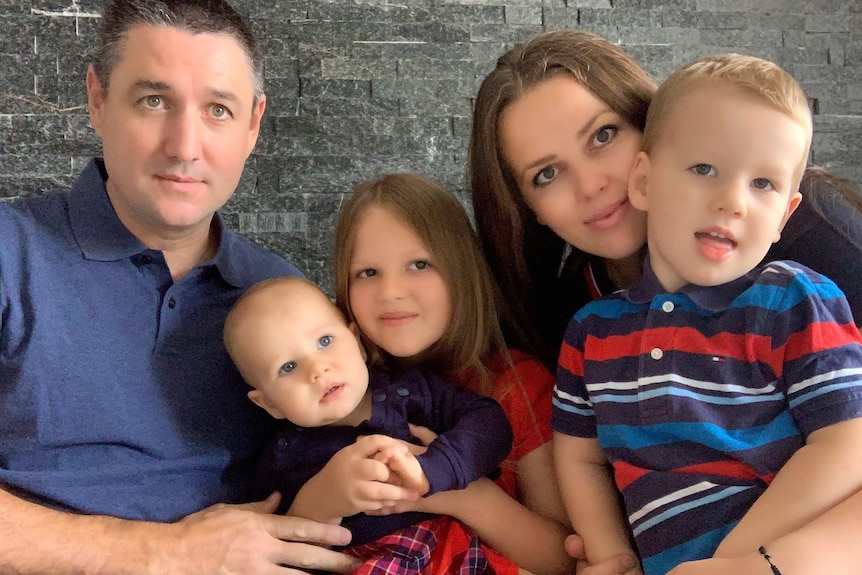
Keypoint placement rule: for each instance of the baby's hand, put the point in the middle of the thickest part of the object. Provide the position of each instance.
(353, 481)
(406, 468)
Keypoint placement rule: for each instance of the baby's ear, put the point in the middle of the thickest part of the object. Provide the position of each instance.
(355, 329)
(639, 181)
(260, 399)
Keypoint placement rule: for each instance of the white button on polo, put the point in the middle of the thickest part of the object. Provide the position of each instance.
(667, 306)
(656, 353)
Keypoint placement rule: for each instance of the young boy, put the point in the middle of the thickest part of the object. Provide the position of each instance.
(341, 451)
(727, 398)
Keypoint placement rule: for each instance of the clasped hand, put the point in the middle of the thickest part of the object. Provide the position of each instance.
(373, 473)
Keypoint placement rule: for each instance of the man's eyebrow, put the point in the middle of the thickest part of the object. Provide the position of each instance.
(165, 87)
(152, 85)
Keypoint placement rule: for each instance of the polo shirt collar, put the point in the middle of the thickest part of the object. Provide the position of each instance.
(712, 298)
(99, 232)
(103, 237)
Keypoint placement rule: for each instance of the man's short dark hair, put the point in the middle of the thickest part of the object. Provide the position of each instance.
(195, 16)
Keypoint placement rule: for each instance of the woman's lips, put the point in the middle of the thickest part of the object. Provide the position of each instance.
(609, 216)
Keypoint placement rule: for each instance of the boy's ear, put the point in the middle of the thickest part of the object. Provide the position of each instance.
(260, 399)
(639, 182)
(795, 200)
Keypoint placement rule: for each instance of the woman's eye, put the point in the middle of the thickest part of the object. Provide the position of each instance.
(703, 170)
(288, 367)
(367, 273)
(545, 176)
(762, 184)
(604, 135)
(324, 341)
(420, 265)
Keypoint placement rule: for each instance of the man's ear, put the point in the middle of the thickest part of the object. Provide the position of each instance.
(260, 399)
(95, 99)
(639, 181)
(795, 200)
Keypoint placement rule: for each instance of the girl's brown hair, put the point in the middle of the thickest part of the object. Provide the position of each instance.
(473, 333)
(525, 256)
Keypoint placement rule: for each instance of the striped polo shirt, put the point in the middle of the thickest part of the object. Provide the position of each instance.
(699, 397)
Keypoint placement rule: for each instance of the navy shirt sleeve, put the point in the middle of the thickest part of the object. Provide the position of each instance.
(476, 435)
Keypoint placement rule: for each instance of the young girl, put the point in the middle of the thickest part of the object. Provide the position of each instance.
(409, 273)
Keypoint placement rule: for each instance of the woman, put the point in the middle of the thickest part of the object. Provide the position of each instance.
(556, 127)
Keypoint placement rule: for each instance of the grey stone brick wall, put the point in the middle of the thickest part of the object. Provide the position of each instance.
(361, 87)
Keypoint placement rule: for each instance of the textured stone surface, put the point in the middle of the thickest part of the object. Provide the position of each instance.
(361, 87)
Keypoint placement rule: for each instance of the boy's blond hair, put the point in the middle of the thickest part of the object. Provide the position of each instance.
(753, 76)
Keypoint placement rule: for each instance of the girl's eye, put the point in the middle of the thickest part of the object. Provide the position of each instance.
(762, 184)
(545, 176)
(703, 170)
(420, 265)
(604, 135)
(288, 367)
(366, 273)
(324, 341)
(218, 111)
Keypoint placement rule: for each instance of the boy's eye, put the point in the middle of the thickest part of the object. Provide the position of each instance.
(324, 341)
(366, 273)
(545, 176)
(762, 184)
(420, 265)
(288, 367)
(604, 135)
(703, 170)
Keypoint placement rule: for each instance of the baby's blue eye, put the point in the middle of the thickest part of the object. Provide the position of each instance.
(324, 341)
(288, 367)
(703, 169)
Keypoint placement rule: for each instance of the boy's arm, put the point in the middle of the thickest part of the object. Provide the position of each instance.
(823, 473)
(590, 498)
(828, 544)
(351, 482)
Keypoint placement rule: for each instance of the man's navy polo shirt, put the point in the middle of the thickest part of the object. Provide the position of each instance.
(116, 394)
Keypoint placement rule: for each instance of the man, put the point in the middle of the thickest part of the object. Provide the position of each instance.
(122, 420)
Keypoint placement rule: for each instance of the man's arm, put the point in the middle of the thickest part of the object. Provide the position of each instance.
(823, 473)
(590, 498)
(245, 539)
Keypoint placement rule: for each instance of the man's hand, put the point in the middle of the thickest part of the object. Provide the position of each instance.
(250, 540)
(352, 482)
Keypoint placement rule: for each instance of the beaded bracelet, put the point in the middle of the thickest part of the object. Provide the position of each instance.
(768, 557)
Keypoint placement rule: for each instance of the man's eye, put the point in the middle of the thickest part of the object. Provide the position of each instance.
(219, 111)
(703, 170)
(762, 184)
(324, 341)
(288, 367)
(153, 101)
(545, 176)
